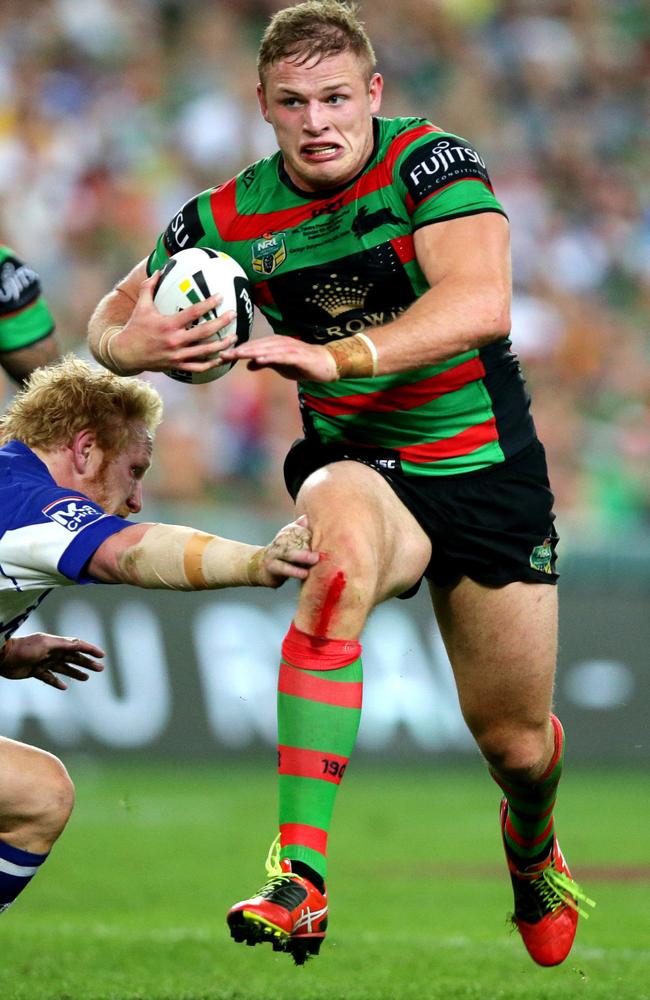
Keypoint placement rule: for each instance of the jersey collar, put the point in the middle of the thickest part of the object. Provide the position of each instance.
(329, 192)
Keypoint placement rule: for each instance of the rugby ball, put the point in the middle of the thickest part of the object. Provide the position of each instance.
(193, 275)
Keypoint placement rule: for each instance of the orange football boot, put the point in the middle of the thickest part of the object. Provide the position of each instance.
(547, 904)
(288, 911)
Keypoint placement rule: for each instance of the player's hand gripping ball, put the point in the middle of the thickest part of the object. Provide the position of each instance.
(195, 274)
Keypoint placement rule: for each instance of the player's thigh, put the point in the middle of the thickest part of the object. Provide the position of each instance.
(502, 644)
(371, 546)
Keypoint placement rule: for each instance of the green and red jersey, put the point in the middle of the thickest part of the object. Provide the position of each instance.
(24, 314)
(340, 262)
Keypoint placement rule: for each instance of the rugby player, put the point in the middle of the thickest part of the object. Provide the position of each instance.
(76, 444)
(379, 253)
(27, 336)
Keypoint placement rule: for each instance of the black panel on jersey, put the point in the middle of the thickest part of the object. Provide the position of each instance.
(328, 301)
(510, 400)
(438, 162)
(19, 285)
(185, 229)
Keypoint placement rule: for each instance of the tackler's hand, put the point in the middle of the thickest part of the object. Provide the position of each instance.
(288, 555)
(44, 656)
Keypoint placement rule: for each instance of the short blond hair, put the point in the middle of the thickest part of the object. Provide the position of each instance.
(69, 396)
(314, 29)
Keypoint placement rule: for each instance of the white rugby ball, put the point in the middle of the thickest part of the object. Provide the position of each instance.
(193, 275)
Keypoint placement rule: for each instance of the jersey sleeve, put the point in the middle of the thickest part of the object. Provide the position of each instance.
(25, 316)
(444, 177)
(54, 535)
(190, 227)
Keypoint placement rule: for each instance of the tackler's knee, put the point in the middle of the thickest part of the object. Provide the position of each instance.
(46, 801)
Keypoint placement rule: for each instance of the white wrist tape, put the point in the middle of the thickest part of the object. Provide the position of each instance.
(104, 352)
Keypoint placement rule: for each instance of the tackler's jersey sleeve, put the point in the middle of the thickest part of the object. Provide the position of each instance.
(331, 264)
(25, 317)
(47, 535)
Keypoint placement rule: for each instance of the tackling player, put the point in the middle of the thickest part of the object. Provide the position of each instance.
(77, 443)
(379, 253)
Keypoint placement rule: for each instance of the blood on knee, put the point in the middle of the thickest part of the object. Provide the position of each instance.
(328, 601)
(341, 588)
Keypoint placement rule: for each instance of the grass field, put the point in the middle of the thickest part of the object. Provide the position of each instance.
(131, 904)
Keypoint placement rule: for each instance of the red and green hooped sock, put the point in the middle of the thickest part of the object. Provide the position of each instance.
(529, 828)
(319, 709)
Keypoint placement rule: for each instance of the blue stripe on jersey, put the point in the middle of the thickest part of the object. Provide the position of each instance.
(37, 548)
(84, 545)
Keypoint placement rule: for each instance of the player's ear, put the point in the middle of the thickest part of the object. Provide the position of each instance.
(82, 448)
(375, 90)
(261, 97)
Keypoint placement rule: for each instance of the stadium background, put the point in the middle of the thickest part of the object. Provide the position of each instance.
(113, 113)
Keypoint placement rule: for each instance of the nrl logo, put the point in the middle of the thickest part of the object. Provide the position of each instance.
(268, 253)
(541, 556)
(338, 296)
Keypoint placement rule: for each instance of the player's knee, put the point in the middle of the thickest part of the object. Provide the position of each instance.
(346, 577)
(514, 750)
(49, 800)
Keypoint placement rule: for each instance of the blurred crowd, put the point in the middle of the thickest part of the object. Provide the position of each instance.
(114, 112)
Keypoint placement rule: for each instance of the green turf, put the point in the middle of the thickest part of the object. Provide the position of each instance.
(131, 904)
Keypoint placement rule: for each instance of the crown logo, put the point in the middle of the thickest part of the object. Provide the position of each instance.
(337, 297)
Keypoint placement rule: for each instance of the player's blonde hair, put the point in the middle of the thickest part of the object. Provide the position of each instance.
(314, 29)
(69, 396)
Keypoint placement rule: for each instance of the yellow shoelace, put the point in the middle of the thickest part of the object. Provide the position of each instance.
(274, 874)
(556, 889)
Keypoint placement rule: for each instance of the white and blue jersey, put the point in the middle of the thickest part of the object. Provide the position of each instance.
(47, 535)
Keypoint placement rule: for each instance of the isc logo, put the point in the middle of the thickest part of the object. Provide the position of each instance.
(72, 513)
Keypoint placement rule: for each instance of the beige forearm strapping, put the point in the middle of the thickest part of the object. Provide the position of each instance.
(178, 558)
(355, 357)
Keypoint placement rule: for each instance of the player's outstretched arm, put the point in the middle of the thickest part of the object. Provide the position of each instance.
(174, 557)
(44, 656)
(128, 335)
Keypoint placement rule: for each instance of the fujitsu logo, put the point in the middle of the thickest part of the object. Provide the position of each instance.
(14, 280)
(443, 156)
(181, 234)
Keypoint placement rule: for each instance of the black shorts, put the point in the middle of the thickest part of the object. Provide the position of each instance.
(495, 525)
